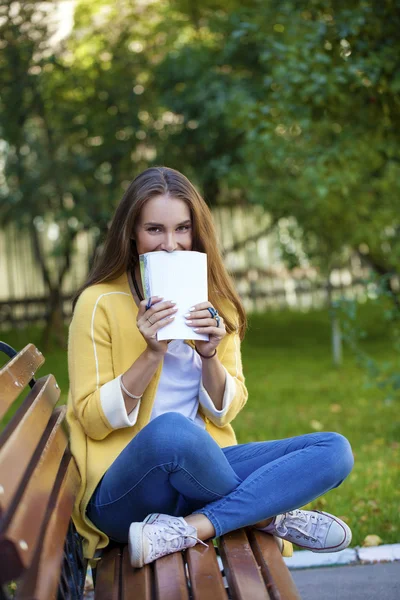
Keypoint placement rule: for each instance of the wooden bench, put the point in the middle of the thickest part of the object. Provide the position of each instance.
(252, 565)
(40, 549)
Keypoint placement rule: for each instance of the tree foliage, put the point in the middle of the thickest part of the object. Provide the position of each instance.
(311, 92)
(292, 104)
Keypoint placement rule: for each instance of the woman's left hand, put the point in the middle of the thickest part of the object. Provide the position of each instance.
(201, 321)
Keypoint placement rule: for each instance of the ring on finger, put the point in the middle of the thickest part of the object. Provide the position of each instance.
(213, 312)
(218, 320)
(150, 321)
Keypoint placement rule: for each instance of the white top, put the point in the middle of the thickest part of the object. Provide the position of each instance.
(180, 389)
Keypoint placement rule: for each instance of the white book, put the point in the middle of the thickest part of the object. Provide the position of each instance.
(180, 276)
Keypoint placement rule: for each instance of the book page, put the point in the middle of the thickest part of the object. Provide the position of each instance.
(180, 276)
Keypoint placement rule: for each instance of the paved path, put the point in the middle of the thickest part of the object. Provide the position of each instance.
(360, 582)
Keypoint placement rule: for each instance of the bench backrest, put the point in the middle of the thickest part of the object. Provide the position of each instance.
(38, 478)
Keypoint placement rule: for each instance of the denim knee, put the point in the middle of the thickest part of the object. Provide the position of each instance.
(172, 435)
(170, 420)
(340, 454)
(171, 425)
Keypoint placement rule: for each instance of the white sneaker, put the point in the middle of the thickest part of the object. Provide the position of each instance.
(312, 529)
(151, 540)
(160, 518)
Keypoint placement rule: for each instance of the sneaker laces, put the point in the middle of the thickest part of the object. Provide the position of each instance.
(165, 537)
(296, 519)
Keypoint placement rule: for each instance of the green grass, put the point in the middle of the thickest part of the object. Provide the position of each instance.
(294, 389)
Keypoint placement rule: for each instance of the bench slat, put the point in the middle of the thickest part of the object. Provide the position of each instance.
(23, 521)
(16, 374)
(170, 578)
(274, 570)
(108, 576)
(41, 580)
(205, 576)
(28, 426)
(241, 570)
(136, 583)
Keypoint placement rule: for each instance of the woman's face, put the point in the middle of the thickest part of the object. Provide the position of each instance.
(164, 224)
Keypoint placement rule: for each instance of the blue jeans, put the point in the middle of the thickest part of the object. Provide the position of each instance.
(174, 467)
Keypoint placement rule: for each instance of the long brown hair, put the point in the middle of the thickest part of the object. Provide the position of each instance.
(119, 253)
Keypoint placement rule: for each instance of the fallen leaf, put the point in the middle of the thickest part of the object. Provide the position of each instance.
(335, 408)
(372, 540)
(316, 425)
(344, 518)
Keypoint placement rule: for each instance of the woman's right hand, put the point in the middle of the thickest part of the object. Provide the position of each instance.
(151, 320)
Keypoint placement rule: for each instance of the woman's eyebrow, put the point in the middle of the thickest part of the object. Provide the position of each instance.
(188, 221)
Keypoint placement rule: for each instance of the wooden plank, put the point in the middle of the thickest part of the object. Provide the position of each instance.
(276, 575)
(136, 583)
(108, 576)
(22, 435)
(41, 580)
(241, 570)
(16, 374)
(21, 525)
(170, 578)
(205, 576)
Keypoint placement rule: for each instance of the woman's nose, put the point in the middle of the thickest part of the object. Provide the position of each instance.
(169, 243)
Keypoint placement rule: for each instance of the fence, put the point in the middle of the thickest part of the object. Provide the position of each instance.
(251, 252)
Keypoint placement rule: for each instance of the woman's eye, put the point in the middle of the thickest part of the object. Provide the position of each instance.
(181, 228)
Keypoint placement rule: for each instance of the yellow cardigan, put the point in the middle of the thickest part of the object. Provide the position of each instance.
(103, 342)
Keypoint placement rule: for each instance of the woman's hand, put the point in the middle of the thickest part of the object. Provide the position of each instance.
(200, 319)
(150, 320)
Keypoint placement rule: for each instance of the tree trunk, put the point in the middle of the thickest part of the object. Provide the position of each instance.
(53, 333)
(54, 329)
(336, 334)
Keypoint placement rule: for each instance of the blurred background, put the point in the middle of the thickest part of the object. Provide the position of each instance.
(286, 116)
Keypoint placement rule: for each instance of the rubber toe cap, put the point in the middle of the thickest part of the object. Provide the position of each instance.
(339, 536)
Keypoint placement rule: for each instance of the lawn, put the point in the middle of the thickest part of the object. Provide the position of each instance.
(294, 389)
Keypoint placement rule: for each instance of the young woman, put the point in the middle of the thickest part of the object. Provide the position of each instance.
(150, 421)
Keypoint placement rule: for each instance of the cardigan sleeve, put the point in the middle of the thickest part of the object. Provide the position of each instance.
(90, 363)
(232, 361)
(113, 405)
(229, 394)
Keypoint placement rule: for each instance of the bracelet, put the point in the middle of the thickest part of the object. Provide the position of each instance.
(128, 393)
(203, 356)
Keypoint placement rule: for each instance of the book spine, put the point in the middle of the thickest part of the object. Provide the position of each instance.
(145, 275)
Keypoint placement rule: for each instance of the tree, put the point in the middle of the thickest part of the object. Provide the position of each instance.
(295, 87)
(68, 119)
(33, 184)
(293, 105)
